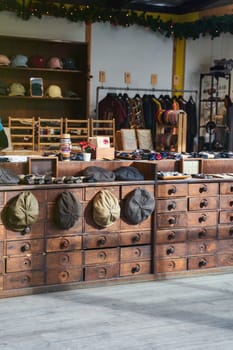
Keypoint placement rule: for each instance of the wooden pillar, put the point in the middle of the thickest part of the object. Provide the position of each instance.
(178, 70)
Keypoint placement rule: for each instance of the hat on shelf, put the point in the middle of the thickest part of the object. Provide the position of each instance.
(99, 174)
(106, 208)
(4, 60)
(55, 63)
(68, 210)
(36, 61)
(3, 89)
(54, 91)
(69, 63)
(19, 61)
(8, 176)
(70, 93)
(128, 173)
(16, 89)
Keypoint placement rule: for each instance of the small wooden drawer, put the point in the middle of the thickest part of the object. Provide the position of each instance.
(203, 247)
(135, 253)
(172, 220)
(96, 240)
(202, 218)
(25, 263)
(65, 275)
(225, 246)
(90, 192)
(225, 231)
(67, 259)
(25, 279)
(52, 230)
(198, 233)
(135, 268)
(197, 203)
(91, 226)
(144, 225)
(23, 247)
(171, 265)
(226, 188)
(36, 231)
(126, 189)
(170, 205)
(226, 217)
(168, 250)
(203, 189)
(168, 236)
(172, 190)
(202, 262)
(101, 272)
(53, 194)
(135, 237)
(65, 243)
(225, 259)
(226, 202)
(100, 256)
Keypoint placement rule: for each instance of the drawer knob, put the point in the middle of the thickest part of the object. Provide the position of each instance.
(231, 188)
(26, 279)
(202, 263)
(135, 268)
(231, 231)
(203, 189)
(231, 218)
(203, 218)
(172, 190)
(172, 221)
(202, 233)
(170, 250)
(171, 205)
(26, 247)
(171, 235)
(136, 238)
(204, 203)
(231, 203)
(26, 230)
(101, 241)
(64, 244)
(27, 262)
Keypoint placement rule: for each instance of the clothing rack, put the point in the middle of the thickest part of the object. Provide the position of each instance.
(114, 88)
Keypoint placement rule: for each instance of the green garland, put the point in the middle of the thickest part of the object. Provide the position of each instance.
(213, 26)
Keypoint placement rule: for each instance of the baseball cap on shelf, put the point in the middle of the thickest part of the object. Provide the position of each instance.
(70, 93)
(54, 91)
(3, 88)
(54, 63)
(36, 61)
(4, 60)
(19, 61)
(68, 63)
(16, 89)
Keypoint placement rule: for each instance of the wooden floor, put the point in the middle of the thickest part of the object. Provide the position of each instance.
(189, 313)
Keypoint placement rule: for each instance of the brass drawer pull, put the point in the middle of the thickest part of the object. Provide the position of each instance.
(171, 235)
(172, 190)
(231, 231)
(26, 279)
(26, 247)
(26, 230)
(135, 269)
(202, 263)
(171, 205)
(27, 262)
(172, 221)
(231, 189)
(64, 244)
(202, 233)
(203, 189)
(204, 203)
(136, 238)
(231, 218)
(101, 241)
(231, 203)
(203, 218)
(170, 250)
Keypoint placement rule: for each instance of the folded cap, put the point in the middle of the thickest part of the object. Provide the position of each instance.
(16, 89)
(54, 91)
(8, 176)
(22, 211)
(106, 208)
(138, 206)
(70, 93)
(4, 60)
(98, 174)
(19, 61)
(128, 173)
(68, 210)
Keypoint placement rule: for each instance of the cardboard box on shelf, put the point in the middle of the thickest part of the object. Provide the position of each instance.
(105, 153)
(100, 141)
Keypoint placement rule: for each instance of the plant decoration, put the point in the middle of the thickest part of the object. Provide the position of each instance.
(86, 147)
(212, 25)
